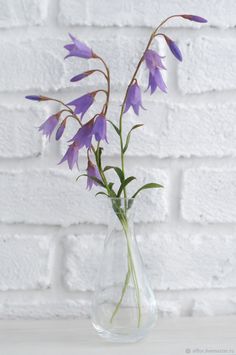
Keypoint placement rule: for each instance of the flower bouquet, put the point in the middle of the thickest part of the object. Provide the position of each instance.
(124, 306)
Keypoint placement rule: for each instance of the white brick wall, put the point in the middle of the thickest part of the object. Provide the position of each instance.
(51, 229)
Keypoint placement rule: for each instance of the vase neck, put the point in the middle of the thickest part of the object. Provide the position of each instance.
(120, 215)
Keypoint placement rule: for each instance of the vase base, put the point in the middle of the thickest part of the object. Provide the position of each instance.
(119, 337)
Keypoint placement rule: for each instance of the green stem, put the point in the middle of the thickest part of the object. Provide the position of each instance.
(131, 270)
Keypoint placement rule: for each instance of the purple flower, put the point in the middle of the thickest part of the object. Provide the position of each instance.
(100, 128)
(84, 135)
(156, 80)
(92, 171)
(61, 129)
(37, 98)
(78, 49)
(71, 155)
(174, 48)
(194, 18)
(49, 125)
(153, 60)
(133, 98)
(81, 76)
(82, 104)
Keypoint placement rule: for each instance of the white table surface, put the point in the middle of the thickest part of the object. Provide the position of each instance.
(68, 337)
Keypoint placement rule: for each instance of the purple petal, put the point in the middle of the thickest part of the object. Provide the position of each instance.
(49, 125)
(82, 104)
(81, 76)
(92, 171)
(61, 129)
(71, 156)
(194, 18)
(33, 97)
(100, 128)
(133, 98)
(153, 60)
(174, 48)
(78, 49)
(84, 135)
(156, 80)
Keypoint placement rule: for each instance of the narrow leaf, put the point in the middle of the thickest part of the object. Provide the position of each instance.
(129, 135)
(101, 193)
(118, 171)
(151, 185)
(115, 127)
(81, 176)
(124, 184)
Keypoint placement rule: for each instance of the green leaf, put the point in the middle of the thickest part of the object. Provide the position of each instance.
(129, 135)
(118, 171)
(115, 127)
(151, 185)
(101, 193)
(124, 184)
(81, 176)
(98, 157)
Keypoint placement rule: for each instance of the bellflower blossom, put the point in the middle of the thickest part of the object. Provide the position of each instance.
(134, 98)
(154, 64)
(84, 135)
(82, 104)
(49, 125)
(78, 49)
(100, 128)
(92, 171)
(153, 60)
(71, 155)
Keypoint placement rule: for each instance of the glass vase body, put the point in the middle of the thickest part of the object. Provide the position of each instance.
(124, 306)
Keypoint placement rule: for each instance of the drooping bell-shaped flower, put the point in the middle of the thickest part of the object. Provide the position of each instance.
(194, 18)
(49, 125)
(92, 171)
(83, 103)
(153, 60)
(81, 76)
(71, 155)
(134, 98)
(156, 81)
(100, 128)
(78, 49)
(174, 48)
(61, 129)
(84, 135)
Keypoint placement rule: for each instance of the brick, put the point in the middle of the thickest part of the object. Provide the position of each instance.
(214, 306)
(182, 261)
(19, 136)
(16, 13)
(82, 256)
(50, 309)
(209, 195)
(143, 13)
(203, 63)
(25, 262)
(189, 130)
(71, 203)
(40, 65)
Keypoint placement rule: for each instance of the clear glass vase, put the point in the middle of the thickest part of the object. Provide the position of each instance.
(124, 306)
